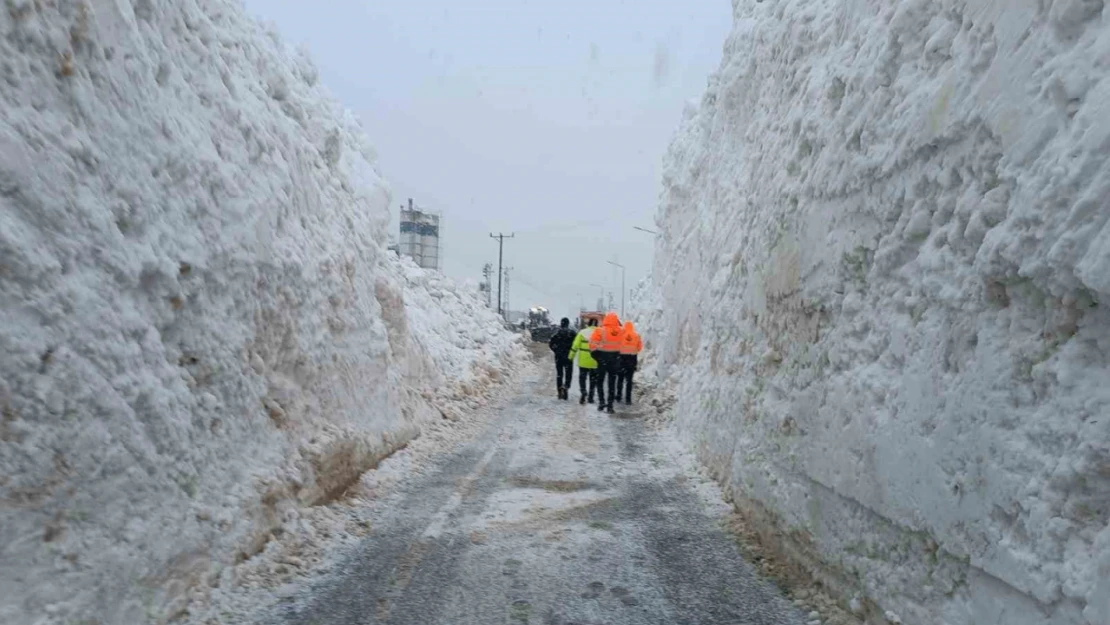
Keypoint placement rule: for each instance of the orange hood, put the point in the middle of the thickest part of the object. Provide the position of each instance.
(611, 321)
(630, 341)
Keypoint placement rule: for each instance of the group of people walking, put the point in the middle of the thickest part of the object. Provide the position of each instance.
(607, 355)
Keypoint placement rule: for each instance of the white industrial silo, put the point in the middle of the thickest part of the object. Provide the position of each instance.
(419, 236)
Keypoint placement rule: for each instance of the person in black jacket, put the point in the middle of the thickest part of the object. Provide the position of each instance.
(560, 343)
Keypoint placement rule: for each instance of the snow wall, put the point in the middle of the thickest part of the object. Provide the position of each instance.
(201, 332)
(883, 297)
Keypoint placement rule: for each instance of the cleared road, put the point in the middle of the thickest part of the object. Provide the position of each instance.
(557, 515)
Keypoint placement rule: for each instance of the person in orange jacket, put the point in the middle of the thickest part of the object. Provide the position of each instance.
(631, 345)
(605, 347)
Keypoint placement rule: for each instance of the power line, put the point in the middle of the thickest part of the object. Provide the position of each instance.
(542, 290)
(574, 225)
(566, 291)
(568, 288)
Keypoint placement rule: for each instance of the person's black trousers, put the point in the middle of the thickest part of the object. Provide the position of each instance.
(564, 372)
(624, 383)
(622, 375)
(614, 376)
(599, 384)
(608, 369)
(587, 381)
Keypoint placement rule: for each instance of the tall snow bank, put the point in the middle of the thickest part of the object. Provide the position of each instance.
(885, 273)
(201, 333)
(646, 310)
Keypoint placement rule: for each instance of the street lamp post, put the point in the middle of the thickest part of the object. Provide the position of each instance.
(615, 264)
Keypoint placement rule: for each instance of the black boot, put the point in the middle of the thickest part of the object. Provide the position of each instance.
(609, 409)
(600, 407)
(582, 400)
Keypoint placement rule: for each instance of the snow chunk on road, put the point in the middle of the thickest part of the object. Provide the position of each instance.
(201, 330)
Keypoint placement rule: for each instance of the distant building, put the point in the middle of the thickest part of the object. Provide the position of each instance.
(419, 236)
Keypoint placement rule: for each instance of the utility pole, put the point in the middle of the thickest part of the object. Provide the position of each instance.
(508, 310)
(616, 264)
(487, 273)
(500, 254)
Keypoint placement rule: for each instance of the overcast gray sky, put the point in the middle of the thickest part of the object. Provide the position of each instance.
(548, 119)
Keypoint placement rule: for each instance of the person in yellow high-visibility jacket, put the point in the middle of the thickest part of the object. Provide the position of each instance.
(605, 347)
(587, 366)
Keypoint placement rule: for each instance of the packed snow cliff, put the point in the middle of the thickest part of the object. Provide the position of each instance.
(201, 333)
(883, 297)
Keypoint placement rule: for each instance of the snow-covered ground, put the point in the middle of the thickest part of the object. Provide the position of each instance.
(881, 296)
(202, 334)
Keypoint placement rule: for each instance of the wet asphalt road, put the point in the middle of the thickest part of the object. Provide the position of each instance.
(557, 515)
